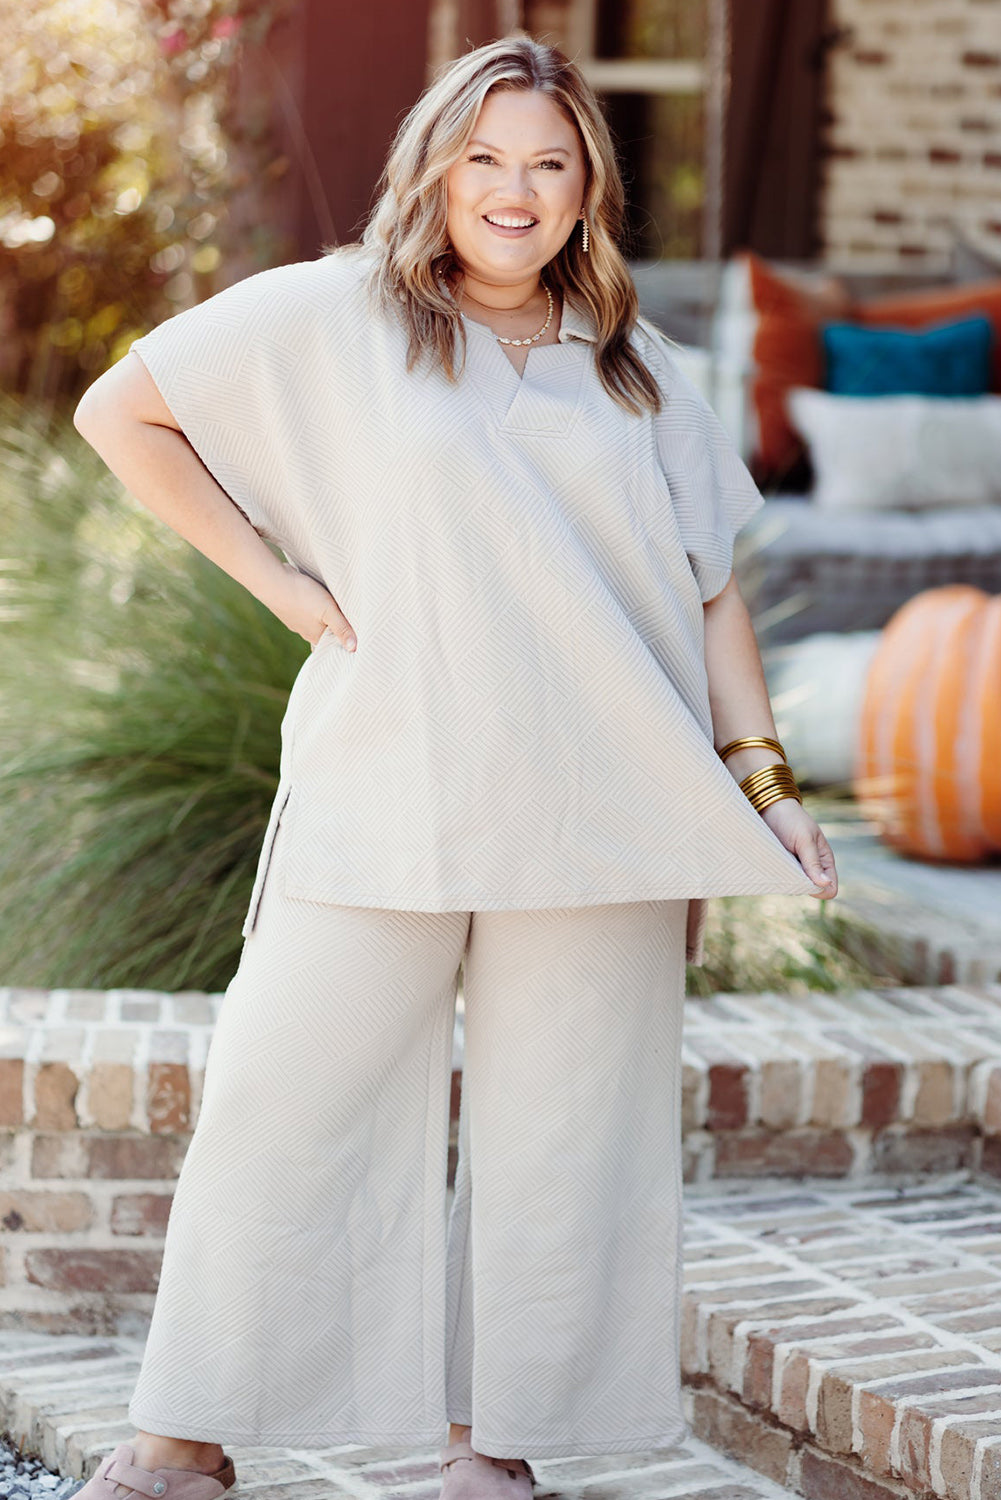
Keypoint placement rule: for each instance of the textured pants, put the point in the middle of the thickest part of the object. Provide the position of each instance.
(315, 1291)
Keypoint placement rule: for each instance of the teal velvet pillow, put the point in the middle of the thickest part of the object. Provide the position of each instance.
(945, 359)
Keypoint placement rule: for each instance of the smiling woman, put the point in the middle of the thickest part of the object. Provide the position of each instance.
(511, 207)
(489, 176)
(528, 553)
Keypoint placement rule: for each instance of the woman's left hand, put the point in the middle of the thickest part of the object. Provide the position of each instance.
(803, 836)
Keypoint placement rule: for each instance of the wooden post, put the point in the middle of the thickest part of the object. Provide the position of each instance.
(360, 68)
(772, 127)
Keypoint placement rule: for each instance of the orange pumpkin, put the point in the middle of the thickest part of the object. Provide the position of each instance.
(928, 756)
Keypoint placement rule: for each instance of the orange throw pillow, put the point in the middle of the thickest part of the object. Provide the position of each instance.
(786, 351)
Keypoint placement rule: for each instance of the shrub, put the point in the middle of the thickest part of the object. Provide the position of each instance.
(141, 692)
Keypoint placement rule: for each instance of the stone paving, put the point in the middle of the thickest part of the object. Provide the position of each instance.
(840, 1341)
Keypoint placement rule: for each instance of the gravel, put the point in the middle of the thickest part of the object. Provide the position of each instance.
(23, 1477)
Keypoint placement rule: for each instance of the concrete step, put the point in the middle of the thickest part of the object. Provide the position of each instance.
(922, 921)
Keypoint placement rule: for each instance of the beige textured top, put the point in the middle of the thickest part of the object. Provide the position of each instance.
(525, 721)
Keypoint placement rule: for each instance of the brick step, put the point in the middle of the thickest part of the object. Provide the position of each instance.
(839, 1341)
(67, 1399)
(898, 1079)
(845, 1339)
(925, 1057)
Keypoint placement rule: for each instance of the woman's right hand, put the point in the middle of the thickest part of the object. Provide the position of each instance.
(306, 607)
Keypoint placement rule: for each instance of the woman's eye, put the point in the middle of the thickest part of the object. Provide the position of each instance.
(549, 162)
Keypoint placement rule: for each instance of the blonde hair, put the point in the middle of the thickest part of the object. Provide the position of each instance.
(407, 232)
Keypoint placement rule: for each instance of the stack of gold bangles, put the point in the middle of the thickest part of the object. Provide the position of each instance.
(771, 783)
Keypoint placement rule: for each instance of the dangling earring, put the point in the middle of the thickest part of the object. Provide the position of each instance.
(585, 236)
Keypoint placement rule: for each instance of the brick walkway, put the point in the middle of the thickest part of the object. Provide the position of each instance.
(841, 1341)
(67, 1397)
(844, 1332)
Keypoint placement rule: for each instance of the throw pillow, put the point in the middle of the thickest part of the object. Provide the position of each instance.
(947, 359)
(906, 452)
(781, 329)
(786, 351)
(936, 305)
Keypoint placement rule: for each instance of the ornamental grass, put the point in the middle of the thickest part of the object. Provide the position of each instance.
(141, 694)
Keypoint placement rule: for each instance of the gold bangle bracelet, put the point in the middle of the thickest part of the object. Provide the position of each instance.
(764, 784)
(765, 775)
(768, 785)
(776, 796)
(752, 741)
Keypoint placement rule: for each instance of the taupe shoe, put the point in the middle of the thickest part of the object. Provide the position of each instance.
(154, 1484)
(468, 1475)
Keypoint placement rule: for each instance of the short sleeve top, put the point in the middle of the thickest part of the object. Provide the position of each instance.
(525, 720)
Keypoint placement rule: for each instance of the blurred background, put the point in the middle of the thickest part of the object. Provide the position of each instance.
(814, 215)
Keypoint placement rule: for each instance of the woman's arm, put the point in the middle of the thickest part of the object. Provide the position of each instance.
(126, 420)
(738, 700)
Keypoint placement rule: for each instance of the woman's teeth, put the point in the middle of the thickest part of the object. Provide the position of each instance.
(508, 221)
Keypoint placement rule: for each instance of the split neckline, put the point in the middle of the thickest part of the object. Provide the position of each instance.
(532, 350)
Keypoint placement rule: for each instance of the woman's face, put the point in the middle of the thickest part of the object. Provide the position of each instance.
(516, 192)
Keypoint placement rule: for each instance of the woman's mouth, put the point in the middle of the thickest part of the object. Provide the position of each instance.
(510, 226)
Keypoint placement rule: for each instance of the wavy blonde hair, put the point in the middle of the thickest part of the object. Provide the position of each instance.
(407, 232)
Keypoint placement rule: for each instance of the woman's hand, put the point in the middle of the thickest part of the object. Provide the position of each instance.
(305, 607)
(803, 836)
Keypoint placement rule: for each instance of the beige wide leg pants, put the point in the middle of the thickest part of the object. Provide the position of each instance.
(313, 1289)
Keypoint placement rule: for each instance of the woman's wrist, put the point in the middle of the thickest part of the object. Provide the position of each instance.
(761, 770)
(742, 762)
(267, 577)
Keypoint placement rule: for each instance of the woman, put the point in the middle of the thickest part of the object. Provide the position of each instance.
(508, 520)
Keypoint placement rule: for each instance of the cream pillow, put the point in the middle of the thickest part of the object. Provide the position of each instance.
(889, 452)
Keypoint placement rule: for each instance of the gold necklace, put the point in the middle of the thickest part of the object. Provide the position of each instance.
(535, 336)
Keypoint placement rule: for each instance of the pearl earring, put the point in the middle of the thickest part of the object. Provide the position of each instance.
(585, 237)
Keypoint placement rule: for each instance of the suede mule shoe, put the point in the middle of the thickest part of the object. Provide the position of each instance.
(158, 1484)
(468, 1475)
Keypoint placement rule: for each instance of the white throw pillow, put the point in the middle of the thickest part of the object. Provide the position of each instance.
(885, 452)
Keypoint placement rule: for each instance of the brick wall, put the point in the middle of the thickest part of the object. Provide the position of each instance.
(912, 135)
(99, 1094)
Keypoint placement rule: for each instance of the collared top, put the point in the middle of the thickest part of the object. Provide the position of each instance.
(525, 721)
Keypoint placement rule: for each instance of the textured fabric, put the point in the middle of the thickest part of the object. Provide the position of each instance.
(312, 1291)
(949, 359)
(525, 721)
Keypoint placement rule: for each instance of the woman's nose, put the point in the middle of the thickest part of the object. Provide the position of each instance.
(517, 184)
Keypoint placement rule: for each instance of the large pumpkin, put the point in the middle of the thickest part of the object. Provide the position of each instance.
(928, 761)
